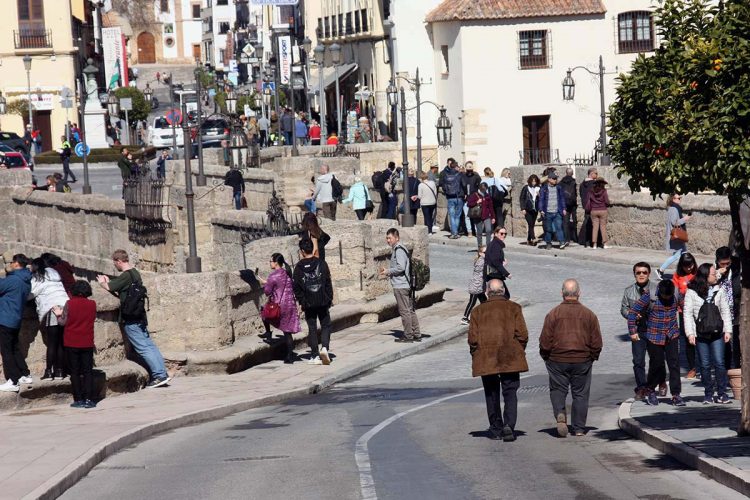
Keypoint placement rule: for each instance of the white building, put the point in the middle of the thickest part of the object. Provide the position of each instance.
(500, 66)
(218, 18)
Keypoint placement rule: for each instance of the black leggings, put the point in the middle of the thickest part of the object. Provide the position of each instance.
(361, 212)
(429, 216)
(531, 222)
(481, 297)
(288, 338)
(55, 357)
(81, 363)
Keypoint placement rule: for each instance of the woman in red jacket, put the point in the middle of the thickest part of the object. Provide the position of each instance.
(482, 213)
(686, 269)
(79, 316)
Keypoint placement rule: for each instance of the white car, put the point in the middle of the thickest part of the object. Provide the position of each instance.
(160, 134)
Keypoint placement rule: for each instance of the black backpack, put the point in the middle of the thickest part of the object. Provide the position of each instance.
(709, 324)
(312, 284)
(337, 191)
(498, 194)
(135, 305)
(377, 181)
(452, 184)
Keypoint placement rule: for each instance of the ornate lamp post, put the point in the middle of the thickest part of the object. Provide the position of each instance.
(320, 59)
(193, 262)
(444, 129)
(27, 67)
(569, 92)
(148, 93)
(198, 72)
(89, 77)
(336, 60)
(307, 46)
(237, 145)
(231, 102)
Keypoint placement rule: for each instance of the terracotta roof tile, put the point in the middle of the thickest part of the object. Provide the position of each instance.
(465, 10)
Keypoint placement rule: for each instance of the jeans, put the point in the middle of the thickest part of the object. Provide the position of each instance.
(409, 320)
(689, 348)
(656, 371)
(312, 315)
(531, 223)
(310, 205)
(483, 226)
(81, 363)
(553, 223)
(469, 224)
(287, 138)
(328, 209)
(455, 205)
(67, 171)
(711, 352)
(577, 377)
(473, 298)
(237, 195)
(673, 258)
(143, 346)
(14, 365)
(392, 202)
(510, 382)
(429, 217)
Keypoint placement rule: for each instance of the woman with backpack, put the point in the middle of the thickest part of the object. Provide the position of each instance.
(281, 308)
(311, 230)
(482, 213)
(476, 286)
(359, 196)
(529, 195)
(48, 291)
(427, 195)
(708, 325)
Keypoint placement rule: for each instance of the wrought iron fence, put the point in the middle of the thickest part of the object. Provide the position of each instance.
(539, 156)
(144, 208)
(340, 150)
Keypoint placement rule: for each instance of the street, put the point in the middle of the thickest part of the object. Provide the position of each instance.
(415, 428)
(104, 179)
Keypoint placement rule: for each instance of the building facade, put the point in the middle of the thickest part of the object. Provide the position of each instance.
(500, 66)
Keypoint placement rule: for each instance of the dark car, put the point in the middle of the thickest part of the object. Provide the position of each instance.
(12, 140)
(27, 159)
(213, 131)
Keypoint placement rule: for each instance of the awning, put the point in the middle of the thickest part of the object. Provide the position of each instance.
(329, 76)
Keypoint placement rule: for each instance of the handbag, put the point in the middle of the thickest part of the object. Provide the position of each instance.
(271, 312)
(679, 233)
(243, 201)
(369, 205)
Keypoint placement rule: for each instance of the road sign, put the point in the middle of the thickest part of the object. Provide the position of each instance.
(66, 103)
(126, 104)
(66, 93)
(80, 151)
(175, 116)
(248, 50)
(269, 85)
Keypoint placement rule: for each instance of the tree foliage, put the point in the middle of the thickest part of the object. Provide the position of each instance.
(681, 120)
(18, 107)
(141, 108)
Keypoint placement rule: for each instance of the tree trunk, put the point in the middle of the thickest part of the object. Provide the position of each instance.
(737, 240)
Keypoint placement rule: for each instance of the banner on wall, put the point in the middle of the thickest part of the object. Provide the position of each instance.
(285, 59)
(113, 49)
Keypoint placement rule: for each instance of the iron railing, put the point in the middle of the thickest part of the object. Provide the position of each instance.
(144, 209)
(340, 150)
(32, 38)
(539, 156)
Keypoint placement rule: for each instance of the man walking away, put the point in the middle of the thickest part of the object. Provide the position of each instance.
(662, 338)
(133, 315)
(400, 275)
(642, 285)
(14, 289)
(234, 179)
(314, 293)
(497, 343)
(551, 203)
(570, 222)
(584, 237)
(161, 164)
(450, 183)
(65, 158)
(323, 195)
(569, 344)
(470, 184)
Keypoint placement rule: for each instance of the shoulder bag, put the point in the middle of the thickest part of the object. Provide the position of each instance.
(369, 205)
(271, 312)
(678, 233)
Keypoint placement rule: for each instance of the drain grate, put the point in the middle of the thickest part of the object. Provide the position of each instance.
(534, 389)
(251, 459)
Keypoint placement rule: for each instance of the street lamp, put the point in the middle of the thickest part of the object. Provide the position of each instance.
(27, 67)
(193, 262)
(231, 102)
(444, 129)
(113, 104)
(408, 219)
(307, 46)
(148, 93)
(392, 92)
(89, 82)
(336, 60)
(237, 144)
(569, 92)
(198, 72)
(320, 59)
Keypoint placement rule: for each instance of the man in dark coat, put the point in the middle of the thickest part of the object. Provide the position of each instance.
(497, 343)
(585, 236)
(494, 259)
(234, 179)
(570, 221)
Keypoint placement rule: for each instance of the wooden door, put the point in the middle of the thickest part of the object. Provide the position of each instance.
(196, 52)
(146, 48)
(43, 124)
(536, 144)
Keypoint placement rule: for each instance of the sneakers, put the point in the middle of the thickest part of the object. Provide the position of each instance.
(563, 245)
(78, 404)
(562, 425)
(652, 400)
(543, 246)
(9, 386)
(324, 356)
(678, 401)
(464, 321)
(691, 375)
(708, 400)
(158, 382)
(606, 246)
(663, 389)
(315, 361)
(723, 400)
(26, 379)
(89, 404)
(508, 434)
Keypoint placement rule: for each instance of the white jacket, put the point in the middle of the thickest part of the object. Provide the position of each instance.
(48, 293)
(692, 307)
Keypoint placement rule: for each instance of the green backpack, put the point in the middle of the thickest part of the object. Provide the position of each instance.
(419, 272)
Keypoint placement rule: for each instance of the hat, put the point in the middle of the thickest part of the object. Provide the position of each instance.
(552, 175)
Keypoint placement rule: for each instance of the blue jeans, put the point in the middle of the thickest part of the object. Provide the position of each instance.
(553, 222)
(672, 259)
(143, 345)
(287, 138)
(711, 353)
(392, 202)
(455, 211)
(310, 205)
(237, 195)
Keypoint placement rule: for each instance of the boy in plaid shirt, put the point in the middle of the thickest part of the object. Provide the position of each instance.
(662, 338)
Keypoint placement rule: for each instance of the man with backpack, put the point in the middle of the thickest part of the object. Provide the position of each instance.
(450, 183)
(128, 287)
(314, 293)
(327, 193)
(400, 273)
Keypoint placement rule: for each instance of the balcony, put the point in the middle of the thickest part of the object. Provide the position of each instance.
(32, 38)
(539, 156)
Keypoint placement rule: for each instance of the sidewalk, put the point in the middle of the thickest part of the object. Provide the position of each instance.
(702, 437)
(48, 449)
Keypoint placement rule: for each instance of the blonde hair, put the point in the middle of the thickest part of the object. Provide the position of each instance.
(479, 251)
(488, 172)
(505, 173)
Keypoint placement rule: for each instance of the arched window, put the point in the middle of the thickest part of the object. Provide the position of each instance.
(635, 31)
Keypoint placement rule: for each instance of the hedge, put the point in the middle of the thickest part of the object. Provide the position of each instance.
(97, 155)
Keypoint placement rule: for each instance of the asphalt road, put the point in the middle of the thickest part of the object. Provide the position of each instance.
(416, 428)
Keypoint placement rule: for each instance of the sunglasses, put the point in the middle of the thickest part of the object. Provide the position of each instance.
(502, 234)
(641, 273)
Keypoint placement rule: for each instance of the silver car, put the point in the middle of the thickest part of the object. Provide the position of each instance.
(214, 131)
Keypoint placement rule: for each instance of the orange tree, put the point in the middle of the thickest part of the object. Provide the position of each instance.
(681, 122)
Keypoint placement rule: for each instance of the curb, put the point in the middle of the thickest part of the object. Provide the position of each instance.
(71, 474)
(718, 470)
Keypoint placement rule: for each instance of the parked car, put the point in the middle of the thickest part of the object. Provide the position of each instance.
(7, 149)
(13, 159)
(14, 141)
(213, 131)
(160, 133)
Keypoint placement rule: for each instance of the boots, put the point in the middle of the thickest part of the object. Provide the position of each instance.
(47, 374)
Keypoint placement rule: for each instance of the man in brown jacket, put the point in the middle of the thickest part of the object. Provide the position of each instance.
(569, 344)
(497, 341)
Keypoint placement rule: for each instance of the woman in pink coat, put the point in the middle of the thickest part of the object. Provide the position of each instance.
(280, 289)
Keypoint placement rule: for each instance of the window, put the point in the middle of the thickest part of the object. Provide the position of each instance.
(319, 30)
(327, 23)
(357, 26)
(164, 5)
(363, 15)
(349, 25)
(334, 26)
(31, 30)
(341, 24)
(222, 53)
(446, 65)
(636, 32)
(196, 11)
(222, 2)
(532, 47)
(224, 27)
